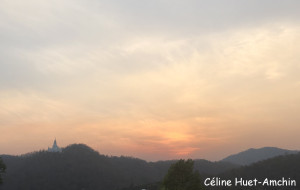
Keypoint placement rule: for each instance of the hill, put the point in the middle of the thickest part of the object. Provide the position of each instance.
(254, 155)
(284, 166)
(79, 167)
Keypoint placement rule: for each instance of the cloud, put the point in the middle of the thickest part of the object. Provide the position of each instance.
(163, 78)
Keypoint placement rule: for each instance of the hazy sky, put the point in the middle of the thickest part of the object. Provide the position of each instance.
(154, 79)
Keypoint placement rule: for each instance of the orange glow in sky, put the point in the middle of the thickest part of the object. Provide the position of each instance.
(149, 83)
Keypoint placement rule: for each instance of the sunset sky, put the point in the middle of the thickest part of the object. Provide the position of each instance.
(153, 79)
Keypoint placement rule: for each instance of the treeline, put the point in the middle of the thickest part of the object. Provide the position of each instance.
(79, 167)
(277, 168)
(2, 169)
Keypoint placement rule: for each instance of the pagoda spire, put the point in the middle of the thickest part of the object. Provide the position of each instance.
(54, 143)
(54, 148)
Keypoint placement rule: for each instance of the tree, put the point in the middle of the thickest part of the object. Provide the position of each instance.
(181, 176)
(2, 169)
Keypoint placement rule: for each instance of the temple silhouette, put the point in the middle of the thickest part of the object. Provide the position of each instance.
(54, 148)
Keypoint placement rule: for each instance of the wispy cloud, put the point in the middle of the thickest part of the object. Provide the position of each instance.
(156, 80)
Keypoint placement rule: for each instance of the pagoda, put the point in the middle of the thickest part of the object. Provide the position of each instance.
(54, 148)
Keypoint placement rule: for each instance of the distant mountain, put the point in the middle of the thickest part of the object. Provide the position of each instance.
(254, 155)
(284, 166)
(79, 167)
(276, 168)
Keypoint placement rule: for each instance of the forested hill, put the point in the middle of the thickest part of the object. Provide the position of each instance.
(284, 166)
(78, 167)
(254, 155)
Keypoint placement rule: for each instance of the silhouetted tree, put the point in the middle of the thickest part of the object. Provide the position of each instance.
(2, 169)
(181, 176)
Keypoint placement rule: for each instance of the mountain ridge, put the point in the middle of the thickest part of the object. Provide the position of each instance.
(253, 155)
(80, 167)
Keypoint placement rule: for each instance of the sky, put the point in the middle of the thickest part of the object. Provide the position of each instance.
(153, 79)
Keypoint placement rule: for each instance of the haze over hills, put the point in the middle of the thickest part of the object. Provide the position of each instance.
(254, 155)
(285, 167)
(277, 168)
(80, 167)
